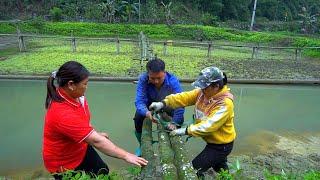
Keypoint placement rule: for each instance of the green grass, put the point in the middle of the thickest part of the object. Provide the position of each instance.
(45, 55)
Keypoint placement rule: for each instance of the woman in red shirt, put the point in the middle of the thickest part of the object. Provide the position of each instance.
(68, 137)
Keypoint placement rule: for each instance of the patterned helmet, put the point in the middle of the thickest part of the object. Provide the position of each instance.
(208, 76)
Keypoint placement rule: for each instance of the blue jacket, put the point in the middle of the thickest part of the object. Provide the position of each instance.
(147, 93)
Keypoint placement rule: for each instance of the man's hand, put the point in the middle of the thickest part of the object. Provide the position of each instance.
(156, 106)
(178, 132)
(149, 116)
(133, 159)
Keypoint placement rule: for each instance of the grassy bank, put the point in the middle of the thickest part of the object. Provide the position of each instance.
(189, 32)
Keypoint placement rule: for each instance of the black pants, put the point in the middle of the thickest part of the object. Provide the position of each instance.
(92, 164)
(213, 156)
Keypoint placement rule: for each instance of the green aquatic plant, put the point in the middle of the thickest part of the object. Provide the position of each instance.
(224, 175)
(235, 172)
(82, 175)
(134, 170)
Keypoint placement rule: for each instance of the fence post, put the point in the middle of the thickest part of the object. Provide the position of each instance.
(73, 43)
(22, 45)
(257, 51)
(118, 45)
(297, 52)
(209, 49)
(253, 52)
(165, 48)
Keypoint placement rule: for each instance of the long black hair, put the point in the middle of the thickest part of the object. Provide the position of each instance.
(69, 71)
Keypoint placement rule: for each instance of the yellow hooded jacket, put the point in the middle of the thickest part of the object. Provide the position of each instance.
(213, 117)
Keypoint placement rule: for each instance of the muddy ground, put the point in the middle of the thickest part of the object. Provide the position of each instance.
(288, 153)
(306, 69)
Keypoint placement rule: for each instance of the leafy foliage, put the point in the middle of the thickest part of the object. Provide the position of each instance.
(56, 14)
(163, 12)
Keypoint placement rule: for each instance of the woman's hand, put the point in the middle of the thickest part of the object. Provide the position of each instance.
(133, 159)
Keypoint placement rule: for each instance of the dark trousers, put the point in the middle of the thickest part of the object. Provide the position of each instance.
(213, 156)
(92, 164)
(138, 122)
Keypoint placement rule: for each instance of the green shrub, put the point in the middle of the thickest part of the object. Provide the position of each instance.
(7, 28)
(56, 14)
(208, 19)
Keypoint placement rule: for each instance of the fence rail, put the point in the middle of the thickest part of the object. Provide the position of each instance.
(160, 42)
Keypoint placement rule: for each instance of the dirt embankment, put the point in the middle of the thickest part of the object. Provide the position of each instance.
(288, 153)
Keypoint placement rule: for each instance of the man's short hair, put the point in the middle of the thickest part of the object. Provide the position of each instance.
(155, 65)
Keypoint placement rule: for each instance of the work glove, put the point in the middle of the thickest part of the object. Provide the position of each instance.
(156, 106)
(179, 132)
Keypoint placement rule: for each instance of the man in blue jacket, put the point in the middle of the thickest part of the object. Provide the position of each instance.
(153, 86)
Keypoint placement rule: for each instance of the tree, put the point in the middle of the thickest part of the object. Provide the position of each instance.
(167, 11)
(128, 9)
(109, 9)
(56, 14)
(308, 21)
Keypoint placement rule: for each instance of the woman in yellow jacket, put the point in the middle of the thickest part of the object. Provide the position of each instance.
(214, 114)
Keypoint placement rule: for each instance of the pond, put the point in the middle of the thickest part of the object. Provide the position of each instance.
(261, 111)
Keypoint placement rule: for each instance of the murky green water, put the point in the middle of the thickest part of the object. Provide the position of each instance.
(259, 108)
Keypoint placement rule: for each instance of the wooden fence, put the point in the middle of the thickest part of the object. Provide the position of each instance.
(209, 45)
